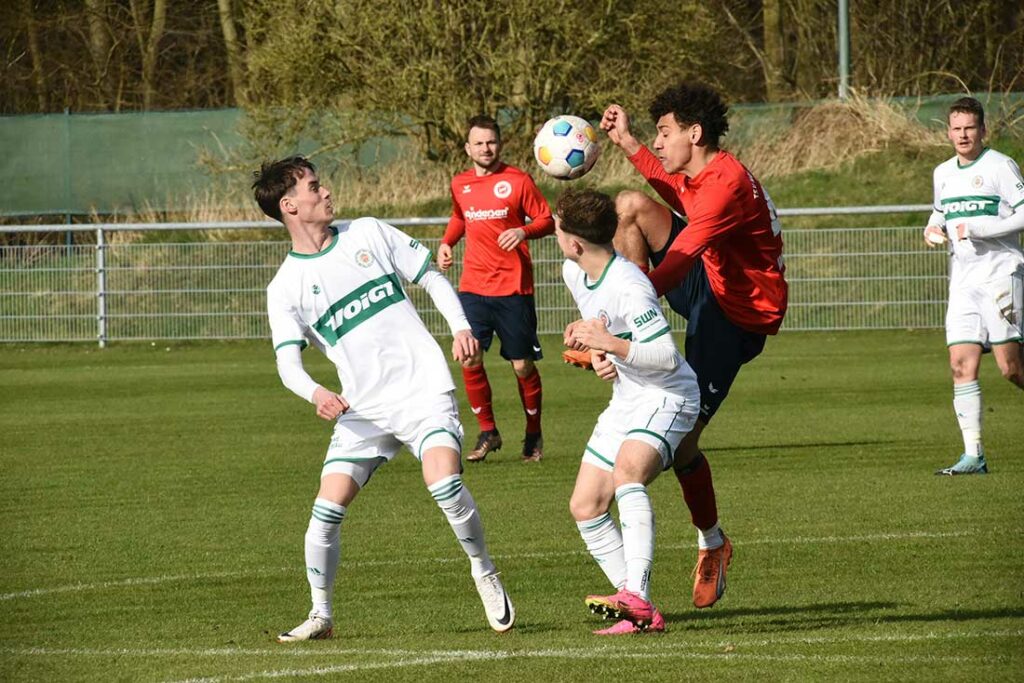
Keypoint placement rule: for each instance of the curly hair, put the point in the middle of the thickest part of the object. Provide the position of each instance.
(692, 103)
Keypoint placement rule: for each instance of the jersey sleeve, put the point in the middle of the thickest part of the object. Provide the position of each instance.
(536, 207)
(663, 183)
(410, 258)
(1011, 185)
(713, 216)
(642, 314)
(456, 223)
(938, 217)
(286, 328)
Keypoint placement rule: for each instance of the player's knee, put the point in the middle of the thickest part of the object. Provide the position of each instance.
(524, 367)
(630, 204)
(583, 508)
(962, 370)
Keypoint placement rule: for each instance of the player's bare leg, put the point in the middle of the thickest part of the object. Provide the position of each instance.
(964, 361)
(1010, 359)
(322, 554)
(530, 394)
(441, 474)
(478, 390)
(644, 227)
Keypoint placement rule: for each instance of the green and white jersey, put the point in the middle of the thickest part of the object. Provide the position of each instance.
(348, 300)
(979, 194)
(623, 298)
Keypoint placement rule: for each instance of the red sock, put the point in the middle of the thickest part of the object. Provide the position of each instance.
(478, 389)
(530, 393)
(699, 493)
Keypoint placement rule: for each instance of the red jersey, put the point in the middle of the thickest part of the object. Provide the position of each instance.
(733, 228)
(482, 208)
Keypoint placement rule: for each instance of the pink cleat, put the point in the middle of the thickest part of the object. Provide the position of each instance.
(623, 605)
(626, 627)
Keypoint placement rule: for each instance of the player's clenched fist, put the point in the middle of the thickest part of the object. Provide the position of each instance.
(444, 257)
(464, 346)
(329, 405)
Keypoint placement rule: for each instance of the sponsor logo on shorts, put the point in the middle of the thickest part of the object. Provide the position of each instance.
(358, 306)
(502, 189)
(711, 388)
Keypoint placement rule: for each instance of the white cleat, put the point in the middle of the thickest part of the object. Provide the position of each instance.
(500, 613)
(316, 627)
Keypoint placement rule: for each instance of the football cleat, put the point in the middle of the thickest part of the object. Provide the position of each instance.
(533, 447)
(316, 627)
(626, 627)
(967, 464)
(580, 359)
(500, 613)
(623, 605)
(485, 443)
(709, 581)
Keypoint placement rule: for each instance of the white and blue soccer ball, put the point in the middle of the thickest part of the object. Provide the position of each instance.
(566, 147)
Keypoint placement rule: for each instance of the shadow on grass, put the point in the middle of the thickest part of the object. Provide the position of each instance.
(799, 446)
(825, 615)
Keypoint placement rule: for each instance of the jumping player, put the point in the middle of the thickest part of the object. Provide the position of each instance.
(490, 204)
(341, 290)
(720, 267)
(979, 195)
(654, 403)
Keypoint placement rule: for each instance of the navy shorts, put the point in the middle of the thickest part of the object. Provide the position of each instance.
(513, 317)
(715, 346)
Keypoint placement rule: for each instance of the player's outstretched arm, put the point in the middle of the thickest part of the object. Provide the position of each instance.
(615, 122)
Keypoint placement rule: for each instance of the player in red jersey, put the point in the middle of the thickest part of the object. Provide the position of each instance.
(720, 267)
(490, 204)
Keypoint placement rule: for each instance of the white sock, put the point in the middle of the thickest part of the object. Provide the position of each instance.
(709, 539)
(604, 541)
(967, 406)
(459, 507)
(323, 548)
(636, 516)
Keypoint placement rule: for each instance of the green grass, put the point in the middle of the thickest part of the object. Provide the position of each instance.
(153, 500)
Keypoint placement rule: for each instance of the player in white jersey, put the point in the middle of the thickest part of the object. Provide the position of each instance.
(655, 403)
(341, 290)
(979, 213)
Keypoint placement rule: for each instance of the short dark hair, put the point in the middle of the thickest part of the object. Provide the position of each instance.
(968, 105)
(588, 214)
(483, 121)
(275, 179)
(692, 103)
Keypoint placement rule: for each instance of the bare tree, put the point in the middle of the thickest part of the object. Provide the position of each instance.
(234, 51)
(149, 25)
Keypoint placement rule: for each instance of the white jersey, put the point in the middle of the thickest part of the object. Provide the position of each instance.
(980, 193)
(624, 299)
(349, 302)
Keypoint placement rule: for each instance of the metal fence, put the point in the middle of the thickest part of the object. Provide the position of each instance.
(126, 288)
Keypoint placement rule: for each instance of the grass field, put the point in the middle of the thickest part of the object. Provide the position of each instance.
(153, 501)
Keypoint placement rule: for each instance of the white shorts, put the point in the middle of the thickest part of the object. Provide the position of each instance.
(986, 314)
(362, 443)
(659, 421)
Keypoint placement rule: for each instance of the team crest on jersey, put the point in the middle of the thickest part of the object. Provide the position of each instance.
(977, 181)
(364, 258)
(502, 189)
(605, 319)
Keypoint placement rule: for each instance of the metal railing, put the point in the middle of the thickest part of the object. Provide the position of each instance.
(121, 288)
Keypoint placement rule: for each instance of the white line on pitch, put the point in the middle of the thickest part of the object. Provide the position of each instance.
(173, 578)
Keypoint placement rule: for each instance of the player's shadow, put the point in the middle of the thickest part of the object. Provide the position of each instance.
(825, 615)
(800, 446)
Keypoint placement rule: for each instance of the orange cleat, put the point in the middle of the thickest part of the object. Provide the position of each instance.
(709, 584)
(580, 359)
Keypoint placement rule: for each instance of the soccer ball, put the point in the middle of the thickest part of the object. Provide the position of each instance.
(566, 147)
